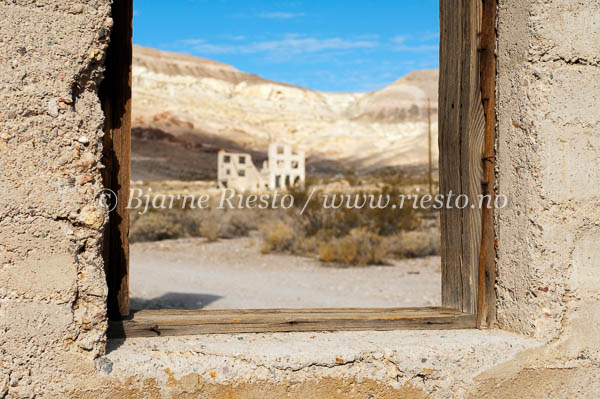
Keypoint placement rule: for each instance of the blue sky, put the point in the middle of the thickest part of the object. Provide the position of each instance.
(330, 45)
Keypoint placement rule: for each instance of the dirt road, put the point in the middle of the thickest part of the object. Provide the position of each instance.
(229, 274)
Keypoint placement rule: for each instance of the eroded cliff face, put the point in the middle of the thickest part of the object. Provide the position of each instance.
(205, 102)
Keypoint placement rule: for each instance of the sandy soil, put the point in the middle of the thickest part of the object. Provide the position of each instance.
(230, 274)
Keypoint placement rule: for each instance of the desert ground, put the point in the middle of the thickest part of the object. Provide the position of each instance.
(229, 274)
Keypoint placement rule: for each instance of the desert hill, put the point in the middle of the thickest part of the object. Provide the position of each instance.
(186, 108)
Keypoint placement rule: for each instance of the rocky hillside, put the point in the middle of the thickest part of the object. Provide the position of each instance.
(186, 108)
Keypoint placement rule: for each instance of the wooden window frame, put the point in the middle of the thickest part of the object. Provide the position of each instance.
(467, 126)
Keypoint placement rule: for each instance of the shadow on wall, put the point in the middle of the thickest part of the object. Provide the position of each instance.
(174, 300)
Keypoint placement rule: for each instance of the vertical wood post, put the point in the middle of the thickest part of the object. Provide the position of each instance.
(461, 139)
(486, 297)
(115, 93)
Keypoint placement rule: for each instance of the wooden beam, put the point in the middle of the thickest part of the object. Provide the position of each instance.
(461, 138)
(152, 323)
(115, 93)
(486, 297)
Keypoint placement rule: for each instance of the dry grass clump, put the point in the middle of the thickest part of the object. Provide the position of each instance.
(414, 244)
(209, 229)
(338, 222)
(351, 237)
(212, 224)
(285, 235)
(278, 236)
(156, 226)
(239, 222)
(359, 248)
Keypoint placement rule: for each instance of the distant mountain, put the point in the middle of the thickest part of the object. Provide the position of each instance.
(177, 64)
(404, 100)
(186, 108)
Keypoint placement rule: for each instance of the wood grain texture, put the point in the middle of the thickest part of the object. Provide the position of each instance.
(449, 143)
(461, 139)
(115, 93)
(148, 323)
(486, 297)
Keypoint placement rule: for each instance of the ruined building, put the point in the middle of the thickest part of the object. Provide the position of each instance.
(284, 168)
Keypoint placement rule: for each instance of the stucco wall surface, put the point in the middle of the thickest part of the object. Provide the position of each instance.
(548, 282)
(52, 284)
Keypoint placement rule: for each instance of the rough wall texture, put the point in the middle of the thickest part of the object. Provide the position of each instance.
(549, 153)
(548, 266)
(52, 285)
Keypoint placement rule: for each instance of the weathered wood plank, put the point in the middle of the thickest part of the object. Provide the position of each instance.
(472, 138)
(173, 322)
(405, 312)
(115, 92)
(461, 138)
(449, 143)
(486, 297)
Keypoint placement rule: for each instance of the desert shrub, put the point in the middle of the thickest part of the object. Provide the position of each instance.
(239, 223)
(338, 222)
(340, 235)
(179, 221)
(306, 246)
(414, 244)
(277, 237)
(189, 220)
(155, 226)
(343, 235)
(359, 248)
(161, 224)
(209, 229)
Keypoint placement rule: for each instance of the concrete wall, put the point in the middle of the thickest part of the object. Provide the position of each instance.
(52, 286)
(549, 165)
(549, 158)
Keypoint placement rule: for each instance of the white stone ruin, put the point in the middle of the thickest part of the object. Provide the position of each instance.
(284, 168)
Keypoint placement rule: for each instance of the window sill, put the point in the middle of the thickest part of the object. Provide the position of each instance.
(152, 323)
(390, 357)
